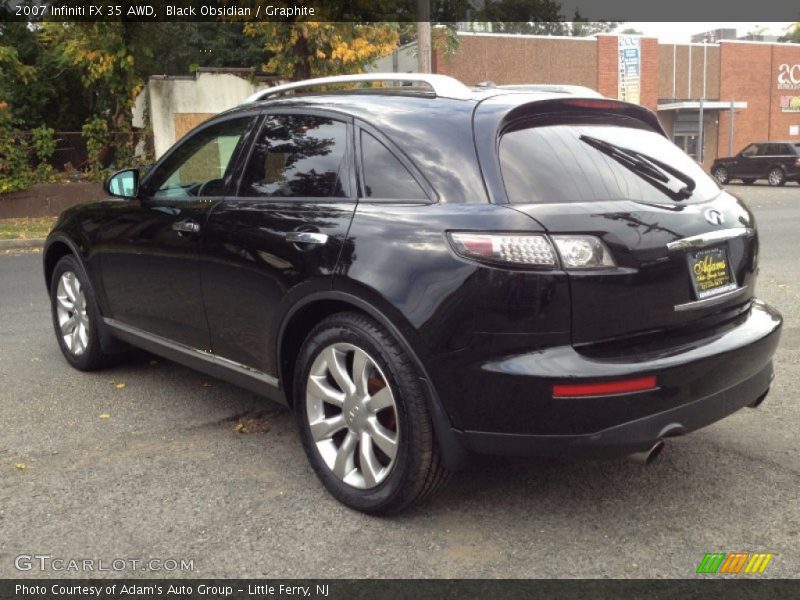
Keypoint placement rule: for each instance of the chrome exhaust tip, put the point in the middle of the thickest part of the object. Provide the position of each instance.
(649, 456)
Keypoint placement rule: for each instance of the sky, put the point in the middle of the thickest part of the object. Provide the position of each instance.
(682, 32)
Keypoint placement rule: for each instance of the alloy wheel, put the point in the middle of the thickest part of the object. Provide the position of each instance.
(775, 177)
(73, 321)
(721, 175)
(352, 415)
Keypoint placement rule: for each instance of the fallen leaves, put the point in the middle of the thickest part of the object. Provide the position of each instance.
(258, 423)
(105, 416)
(20, 466)
(120, 386)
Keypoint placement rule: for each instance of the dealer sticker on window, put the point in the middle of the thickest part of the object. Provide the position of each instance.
(711, 273)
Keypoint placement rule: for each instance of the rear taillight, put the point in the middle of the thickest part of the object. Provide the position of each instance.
(533, 250)
(583, 252)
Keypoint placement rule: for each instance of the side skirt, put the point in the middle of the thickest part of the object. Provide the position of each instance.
(205, 362)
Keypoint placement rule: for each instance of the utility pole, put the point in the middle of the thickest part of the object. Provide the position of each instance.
(424, 36)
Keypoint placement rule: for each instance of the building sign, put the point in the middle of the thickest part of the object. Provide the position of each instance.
(790, 104)
(630, 66)
(789, 77)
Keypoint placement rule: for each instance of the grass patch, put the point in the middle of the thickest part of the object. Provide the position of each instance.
(25, 229)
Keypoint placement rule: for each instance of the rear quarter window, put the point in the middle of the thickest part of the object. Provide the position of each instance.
(552, 164)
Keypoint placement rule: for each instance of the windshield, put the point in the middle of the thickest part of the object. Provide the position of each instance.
(578, 163)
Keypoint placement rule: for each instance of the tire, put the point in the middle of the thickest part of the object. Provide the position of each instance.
(749, 180)
(372, 444)
(721, 175)
(776, 176)
(70, 295)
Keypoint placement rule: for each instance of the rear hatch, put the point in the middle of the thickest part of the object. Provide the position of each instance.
(685, 250)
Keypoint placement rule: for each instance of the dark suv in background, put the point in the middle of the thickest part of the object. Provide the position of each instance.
(425, 270)
(777, 162)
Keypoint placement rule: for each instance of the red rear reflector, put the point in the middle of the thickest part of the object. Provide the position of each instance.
(606, 388)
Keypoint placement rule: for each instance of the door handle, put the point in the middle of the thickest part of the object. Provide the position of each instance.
(186, 226)
(306, 237)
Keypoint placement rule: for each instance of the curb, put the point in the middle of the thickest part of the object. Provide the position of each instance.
(12, 244)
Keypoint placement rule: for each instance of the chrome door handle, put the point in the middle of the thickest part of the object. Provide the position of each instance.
(306, 237)
(186, 226)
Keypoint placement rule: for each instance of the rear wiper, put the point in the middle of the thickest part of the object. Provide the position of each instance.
(652, 170)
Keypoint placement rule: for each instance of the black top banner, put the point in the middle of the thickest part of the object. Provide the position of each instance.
(437, 11)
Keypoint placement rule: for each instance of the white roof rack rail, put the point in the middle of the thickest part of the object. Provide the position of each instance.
(440, 85)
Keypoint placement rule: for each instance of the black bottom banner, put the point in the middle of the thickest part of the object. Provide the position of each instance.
(349, 589)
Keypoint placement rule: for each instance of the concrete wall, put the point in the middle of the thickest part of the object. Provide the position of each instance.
(177, 104)
(402, 60)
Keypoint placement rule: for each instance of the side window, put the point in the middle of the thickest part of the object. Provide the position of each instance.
(298, 156)
(766, 150)
(751, 150)
(201, 163)
(385, 177)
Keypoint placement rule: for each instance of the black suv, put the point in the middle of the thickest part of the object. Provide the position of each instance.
(777, 162)
(426, 271)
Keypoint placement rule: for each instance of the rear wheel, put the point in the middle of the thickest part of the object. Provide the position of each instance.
(76, 318)
(748, 180)
(721, 175)
(776, 176)
(364, 418)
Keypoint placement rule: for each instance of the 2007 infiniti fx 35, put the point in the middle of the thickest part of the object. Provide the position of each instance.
(426, 270)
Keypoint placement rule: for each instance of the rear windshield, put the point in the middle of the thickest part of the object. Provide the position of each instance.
(587, 163)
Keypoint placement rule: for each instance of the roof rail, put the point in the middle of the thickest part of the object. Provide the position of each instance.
(440, 85)
(574, 90)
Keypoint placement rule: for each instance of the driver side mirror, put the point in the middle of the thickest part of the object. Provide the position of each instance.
(123, 184)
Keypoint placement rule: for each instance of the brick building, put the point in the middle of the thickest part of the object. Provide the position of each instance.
(745, 91)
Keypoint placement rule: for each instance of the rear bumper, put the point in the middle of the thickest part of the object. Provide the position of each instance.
(634, 436)
(506, 405)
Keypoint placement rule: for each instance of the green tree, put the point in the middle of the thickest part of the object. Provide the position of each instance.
(541, 17)
(45, 90)
(302, 49)
(792, 34)
(580, 27)
(105, 54)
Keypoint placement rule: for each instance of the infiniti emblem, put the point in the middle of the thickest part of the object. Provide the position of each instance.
(353, 413)
(714, 217)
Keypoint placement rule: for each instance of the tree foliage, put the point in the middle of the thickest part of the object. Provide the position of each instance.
(792, 34)
(105, 54)
(303, 49)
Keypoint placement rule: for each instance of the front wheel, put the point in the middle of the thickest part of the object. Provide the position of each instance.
(776, 176)
(76, 318)
(363, 416)
(721, 175)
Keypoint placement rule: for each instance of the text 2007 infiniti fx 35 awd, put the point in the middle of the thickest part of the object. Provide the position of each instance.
(426, 271)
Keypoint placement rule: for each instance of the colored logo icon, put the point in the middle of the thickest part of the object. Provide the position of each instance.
(734, 563)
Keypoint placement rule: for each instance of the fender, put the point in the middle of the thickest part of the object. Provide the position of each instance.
(108, 342)
(454, 454)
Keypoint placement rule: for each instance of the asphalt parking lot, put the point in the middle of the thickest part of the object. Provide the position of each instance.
(150, 460)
